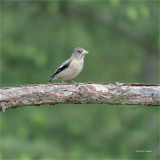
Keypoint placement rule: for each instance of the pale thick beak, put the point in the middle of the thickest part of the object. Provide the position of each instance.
(84, 52)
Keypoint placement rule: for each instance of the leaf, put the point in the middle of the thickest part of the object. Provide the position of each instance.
(144, 11)
(132, 13)
(114, 3)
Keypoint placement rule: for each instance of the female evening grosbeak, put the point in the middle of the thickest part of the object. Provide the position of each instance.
(71, 67)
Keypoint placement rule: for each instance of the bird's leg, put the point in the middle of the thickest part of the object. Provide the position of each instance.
(74, 82)
(63, 82)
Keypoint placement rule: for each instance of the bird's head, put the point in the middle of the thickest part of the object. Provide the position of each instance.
(79, 53)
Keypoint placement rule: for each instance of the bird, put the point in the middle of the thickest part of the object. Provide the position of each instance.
(70, 68)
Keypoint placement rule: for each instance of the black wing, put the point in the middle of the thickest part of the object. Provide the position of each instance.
(61, 68)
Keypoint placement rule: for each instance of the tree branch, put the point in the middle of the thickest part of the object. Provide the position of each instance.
(116, 93)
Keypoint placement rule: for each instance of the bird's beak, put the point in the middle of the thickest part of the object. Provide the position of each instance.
(84, 52)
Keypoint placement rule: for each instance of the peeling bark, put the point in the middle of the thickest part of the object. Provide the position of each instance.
(116, 93)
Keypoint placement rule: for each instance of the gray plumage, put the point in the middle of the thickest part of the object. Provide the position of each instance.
(71, 67)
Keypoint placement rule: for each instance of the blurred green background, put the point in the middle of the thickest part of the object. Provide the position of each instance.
(122, 38)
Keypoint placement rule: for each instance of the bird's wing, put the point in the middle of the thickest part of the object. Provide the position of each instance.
(63, 66)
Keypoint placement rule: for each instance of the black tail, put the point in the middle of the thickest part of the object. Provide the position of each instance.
(51, 78)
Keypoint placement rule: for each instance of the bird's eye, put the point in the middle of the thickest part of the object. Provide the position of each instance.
(79, 51)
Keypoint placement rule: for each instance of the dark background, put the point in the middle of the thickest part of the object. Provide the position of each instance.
(122, 38)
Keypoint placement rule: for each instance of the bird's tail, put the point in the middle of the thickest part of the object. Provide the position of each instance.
(52, 78)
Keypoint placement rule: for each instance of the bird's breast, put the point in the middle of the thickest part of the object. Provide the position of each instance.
(76, 65)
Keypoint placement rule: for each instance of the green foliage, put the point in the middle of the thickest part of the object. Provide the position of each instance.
(132, 13)
(38, 36)
(144, 11)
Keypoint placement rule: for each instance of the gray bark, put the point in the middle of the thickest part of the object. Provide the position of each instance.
(116, 93)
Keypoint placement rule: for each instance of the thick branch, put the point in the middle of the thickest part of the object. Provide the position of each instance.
(117, 93)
